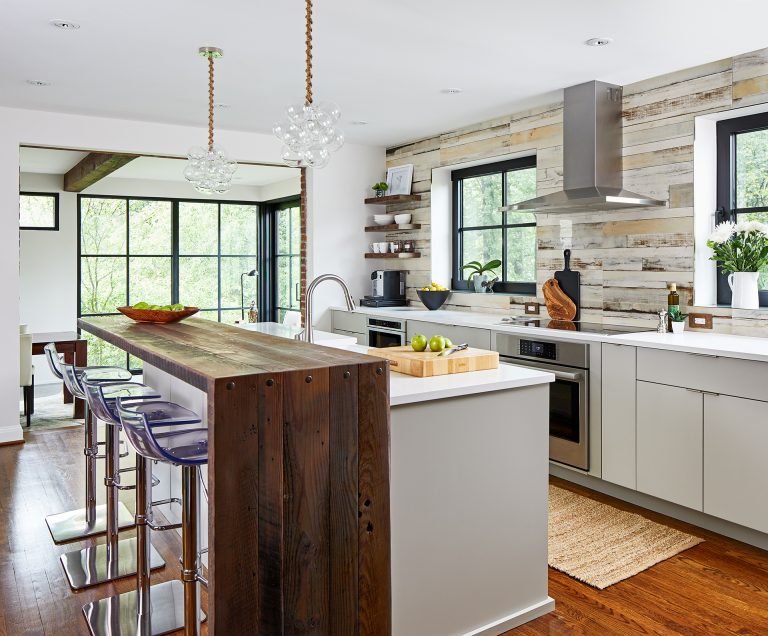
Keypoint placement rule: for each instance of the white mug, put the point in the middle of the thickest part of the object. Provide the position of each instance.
(375, 248)
(383, 247)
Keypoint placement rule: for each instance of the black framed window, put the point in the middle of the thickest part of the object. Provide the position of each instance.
(742, 182)
(287, 258)
(164, 251)
(39, 211)
(481, 232)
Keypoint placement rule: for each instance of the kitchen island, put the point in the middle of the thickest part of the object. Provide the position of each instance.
(298, 472)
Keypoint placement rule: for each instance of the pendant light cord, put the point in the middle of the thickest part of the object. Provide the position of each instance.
(308, 97)
(210, 101)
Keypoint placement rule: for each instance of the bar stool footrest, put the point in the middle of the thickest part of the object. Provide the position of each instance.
(170, 526)
(72, 526)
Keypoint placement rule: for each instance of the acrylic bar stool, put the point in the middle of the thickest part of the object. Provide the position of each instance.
(174, 605)
(91, 520)
(116, 558)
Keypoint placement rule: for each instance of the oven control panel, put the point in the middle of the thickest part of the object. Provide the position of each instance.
(534, 349)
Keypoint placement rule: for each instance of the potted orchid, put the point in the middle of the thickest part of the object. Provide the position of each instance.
(742, 250)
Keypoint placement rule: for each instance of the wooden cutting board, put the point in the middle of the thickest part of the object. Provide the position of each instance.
(428, 363)
(559, 306)
(570, 282)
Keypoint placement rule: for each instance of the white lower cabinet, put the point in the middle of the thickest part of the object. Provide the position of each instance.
(735, 452)
(670, 443)
(618, 415)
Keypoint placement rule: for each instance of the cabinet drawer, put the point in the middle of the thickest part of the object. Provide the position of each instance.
(348, 321)
(742, 378)
(477, 338)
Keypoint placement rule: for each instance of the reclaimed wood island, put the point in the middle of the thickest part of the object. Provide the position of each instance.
(298, 474)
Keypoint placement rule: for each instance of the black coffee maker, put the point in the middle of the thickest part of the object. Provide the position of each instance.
(387, 289)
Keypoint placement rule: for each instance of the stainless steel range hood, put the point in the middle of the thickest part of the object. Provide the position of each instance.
(592, 144)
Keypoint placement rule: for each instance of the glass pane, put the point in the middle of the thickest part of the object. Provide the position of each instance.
(230, 316)
(150, 280)
(283, 231)
(521, 185)
(751, 169)
(481, 245)
(102, 226)
(199, 282)
(295, 279)
(135, 364)
(150, 227)
(101, 353)
(763, 218)
(231, 270)
(521, 255)
(208, 315)
(37, 211)
(238, 229)
(198, 228)
(102, 284)
(283, 282)
(481, 200)
(295, 230)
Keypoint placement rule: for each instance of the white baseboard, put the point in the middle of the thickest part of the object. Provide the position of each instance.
(515, 620)
(694, 517)
(11, 434)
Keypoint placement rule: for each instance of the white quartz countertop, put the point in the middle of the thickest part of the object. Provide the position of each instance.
(407, 389)
(323, 338)
(725, 345)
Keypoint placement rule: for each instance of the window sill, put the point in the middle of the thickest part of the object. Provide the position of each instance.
(496, 293)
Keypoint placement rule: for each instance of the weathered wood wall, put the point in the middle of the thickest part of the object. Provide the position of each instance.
(625, 257)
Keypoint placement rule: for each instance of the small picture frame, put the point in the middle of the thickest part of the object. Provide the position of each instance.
(399, 179)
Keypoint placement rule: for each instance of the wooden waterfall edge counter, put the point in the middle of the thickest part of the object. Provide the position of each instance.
(298, 474)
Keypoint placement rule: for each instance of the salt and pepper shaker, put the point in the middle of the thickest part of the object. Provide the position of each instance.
(662, 327)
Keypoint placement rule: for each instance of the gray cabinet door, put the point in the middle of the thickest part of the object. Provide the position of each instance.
(362, 339)
(477, 338)
(670, 441)
(735, 451)
(618, 415)
(348, 321)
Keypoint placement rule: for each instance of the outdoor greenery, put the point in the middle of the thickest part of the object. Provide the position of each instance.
(37, 210)
(127, 256)
(481, 199)
(288, 258)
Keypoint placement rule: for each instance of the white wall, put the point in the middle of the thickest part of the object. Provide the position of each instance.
(334, 198)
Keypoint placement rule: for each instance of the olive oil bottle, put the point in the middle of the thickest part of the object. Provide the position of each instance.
(673, 300)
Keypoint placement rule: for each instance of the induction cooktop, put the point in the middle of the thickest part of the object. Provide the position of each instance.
(567, 325)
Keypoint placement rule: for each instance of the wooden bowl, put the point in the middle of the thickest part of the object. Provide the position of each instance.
(157, 315)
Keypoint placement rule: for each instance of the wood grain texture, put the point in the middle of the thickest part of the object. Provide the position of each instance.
(374, 532)
(559, 305)
(428, 363)
(92, 168)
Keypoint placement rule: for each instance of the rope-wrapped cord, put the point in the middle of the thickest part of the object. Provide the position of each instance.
(210, 101)
(308, 97)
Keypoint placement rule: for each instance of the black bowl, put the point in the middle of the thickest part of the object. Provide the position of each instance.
(432, 299)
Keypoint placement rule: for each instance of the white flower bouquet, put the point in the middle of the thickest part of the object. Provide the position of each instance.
(740, 247)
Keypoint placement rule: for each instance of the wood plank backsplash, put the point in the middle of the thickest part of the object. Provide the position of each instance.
(625, 257)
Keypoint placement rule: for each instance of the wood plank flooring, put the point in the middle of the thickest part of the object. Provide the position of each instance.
(718, 587)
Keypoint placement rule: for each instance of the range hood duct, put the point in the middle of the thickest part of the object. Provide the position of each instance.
(592, 146)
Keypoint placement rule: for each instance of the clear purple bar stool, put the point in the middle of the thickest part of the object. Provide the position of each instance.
(155, 431)
(115, 559)
(91, 520)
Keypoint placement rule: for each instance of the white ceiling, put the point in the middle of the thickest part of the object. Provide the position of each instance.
(55, 161)
(384, 62)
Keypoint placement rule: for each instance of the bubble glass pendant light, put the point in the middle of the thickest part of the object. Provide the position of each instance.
(309, 132)
(210, 170)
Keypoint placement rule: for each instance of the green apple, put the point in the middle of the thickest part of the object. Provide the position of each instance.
(437, 343)
(141, 305)
(419, 342)
(447, 344)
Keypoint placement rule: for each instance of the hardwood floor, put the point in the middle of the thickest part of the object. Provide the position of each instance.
(718, 587)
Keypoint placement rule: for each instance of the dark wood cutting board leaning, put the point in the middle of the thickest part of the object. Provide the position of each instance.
(569, 285)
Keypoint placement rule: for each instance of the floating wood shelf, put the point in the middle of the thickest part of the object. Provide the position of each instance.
(393, 198)
(393, 255)
(393, 227)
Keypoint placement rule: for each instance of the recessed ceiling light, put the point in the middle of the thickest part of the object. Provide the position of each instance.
(358, 122)
(38, 83)
(65, 24)
(598, 41)
(451, 91)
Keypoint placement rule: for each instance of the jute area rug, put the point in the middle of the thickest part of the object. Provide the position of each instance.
(602, 545)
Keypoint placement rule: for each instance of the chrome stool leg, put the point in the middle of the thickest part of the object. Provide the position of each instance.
(116, 558)
(147, 611)
(189, 549)
(91, 520)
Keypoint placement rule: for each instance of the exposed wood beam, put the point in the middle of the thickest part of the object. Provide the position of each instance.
(93, 168)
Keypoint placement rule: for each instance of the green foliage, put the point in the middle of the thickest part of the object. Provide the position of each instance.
(381, 186)
(742, 247)
(478, 269)
(675, 315)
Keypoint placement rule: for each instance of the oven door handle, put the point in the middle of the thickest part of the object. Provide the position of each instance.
(562, 375)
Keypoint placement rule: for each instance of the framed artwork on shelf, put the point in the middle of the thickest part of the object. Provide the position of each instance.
(399, 179)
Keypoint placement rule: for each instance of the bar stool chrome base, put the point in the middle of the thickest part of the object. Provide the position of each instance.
(88, 567)
(72, 526)
(117, 615)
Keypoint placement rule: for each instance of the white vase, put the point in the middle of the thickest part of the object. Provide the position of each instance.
(678, 326)
(744, 290)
